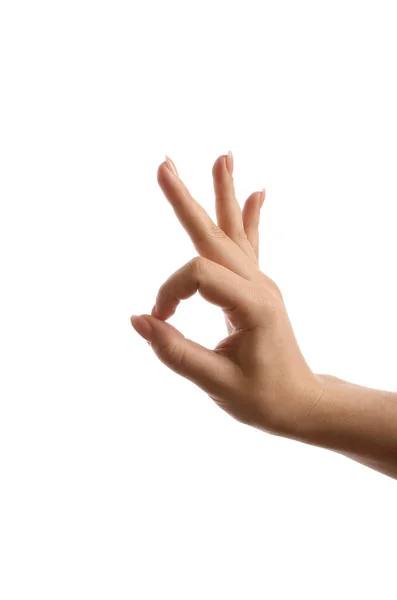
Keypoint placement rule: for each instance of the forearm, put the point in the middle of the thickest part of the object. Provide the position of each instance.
(356, 421)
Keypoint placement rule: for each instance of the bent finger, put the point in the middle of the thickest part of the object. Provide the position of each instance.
(216, 284)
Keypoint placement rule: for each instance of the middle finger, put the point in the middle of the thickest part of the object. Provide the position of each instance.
(228, 210)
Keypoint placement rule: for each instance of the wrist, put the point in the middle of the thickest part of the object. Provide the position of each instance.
(293, 407)
(353, 420)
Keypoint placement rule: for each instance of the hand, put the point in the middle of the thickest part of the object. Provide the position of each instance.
(258, 373)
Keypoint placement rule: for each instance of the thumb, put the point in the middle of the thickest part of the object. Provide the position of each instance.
(206, 368)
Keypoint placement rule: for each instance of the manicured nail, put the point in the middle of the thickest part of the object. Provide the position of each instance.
(142, 326)
(229, 162)
(262, 199)
(171, 165)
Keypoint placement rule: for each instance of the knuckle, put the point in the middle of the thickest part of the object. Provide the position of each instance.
(242, 236)
(266, 301)
(197, 265)
(216, 232)
(274, 290)
(213, 232)
(171, 353)
(269, 306)
(271, 287)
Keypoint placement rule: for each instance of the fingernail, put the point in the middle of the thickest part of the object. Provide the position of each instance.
(262, 199)
(171, 165)
(142, 326)
(229, 162)
(154, 311)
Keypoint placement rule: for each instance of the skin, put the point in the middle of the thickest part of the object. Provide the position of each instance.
(257, 373)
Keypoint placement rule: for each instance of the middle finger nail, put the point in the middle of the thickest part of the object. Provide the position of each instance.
(229, 162)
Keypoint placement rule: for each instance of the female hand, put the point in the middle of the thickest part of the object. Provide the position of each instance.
(258, 373)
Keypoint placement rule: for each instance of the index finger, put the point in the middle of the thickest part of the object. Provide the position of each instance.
(217, 285)
(209, 240)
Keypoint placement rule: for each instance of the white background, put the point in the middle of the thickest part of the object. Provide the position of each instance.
(118, 479)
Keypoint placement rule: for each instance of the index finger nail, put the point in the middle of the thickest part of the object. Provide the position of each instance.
(171, 165)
